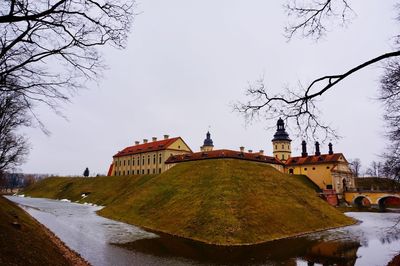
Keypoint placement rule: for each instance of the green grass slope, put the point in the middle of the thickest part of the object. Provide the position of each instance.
(23, 241)
(224, 201)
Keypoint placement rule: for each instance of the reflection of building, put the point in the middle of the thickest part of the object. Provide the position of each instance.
(333, 253)
(147, 158)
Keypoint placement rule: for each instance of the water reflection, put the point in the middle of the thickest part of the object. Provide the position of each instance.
(282, 252)
(374, 241)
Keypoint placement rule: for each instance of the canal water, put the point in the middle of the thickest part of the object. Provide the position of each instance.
(374, 241)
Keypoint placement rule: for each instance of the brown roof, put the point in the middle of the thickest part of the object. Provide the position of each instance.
(147, 147)
(220, 154)
(315, 159)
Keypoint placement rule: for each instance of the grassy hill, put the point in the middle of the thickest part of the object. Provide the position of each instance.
(23, 241)
(222, 201)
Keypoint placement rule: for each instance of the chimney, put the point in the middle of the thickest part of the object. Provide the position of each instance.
(250, 151)
(241, 149)
(317, 152)
(154, 139)
(261, 152)
(137, 142)
(145, 140)
(166, 136)
(304, 149)
(330, 148)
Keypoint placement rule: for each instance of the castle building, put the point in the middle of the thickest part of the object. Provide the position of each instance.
(148, 157)
(207, 153)
(329, 171)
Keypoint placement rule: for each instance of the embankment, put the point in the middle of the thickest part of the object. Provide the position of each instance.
(224, 201)
(24, 241)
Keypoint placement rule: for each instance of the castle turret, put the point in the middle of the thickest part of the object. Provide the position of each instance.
(208, 143)
(281, 142)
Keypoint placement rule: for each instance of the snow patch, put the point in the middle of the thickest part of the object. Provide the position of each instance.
(65, 200)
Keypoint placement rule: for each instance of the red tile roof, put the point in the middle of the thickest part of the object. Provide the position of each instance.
(314, 159)
(147, 147)
(220, 154)
(110, 170)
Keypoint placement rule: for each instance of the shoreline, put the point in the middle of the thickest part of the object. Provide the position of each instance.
(73, 257)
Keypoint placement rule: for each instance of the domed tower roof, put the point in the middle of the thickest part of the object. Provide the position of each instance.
(281, 133)
(208, 141)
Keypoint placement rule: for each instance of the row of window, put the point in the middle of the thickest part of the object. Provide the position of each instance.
(305, 169)
(283, 146)
(124, 162)
(137, 172)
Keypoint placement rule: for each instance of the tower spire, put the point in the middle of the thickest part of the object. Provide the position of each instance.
(208, 144)
(281, 142)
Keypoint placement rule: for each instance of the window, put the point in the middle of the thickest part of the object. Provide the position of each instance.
(129, 161)
(276, 147)
(133, 161)
(143, 172)
(290, 171)
(179, 147)
(328, 186)
(154, 159)
(143, 160)
(138, 172)
(148, 159)
(327, 167)
(283, 156)
(313, 168)
(148, 171)
(119, 172)
(120, 162)
(154, 170)
(123, 172)
(127, 172)
(305, 169)
(283, 146)
(159, 159)
(159, 170)
(138, 161)
(124, 162)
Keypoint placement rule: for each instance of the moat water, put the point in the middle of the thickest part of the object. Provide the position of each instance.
(374, 241)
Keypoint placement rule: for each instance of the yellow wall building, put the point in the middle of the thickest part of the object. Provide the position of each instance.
(328, 171)
(148, 157)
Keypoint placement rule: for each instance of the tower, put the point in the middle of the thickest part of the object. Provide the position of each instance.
(208, 143)
(281, 142)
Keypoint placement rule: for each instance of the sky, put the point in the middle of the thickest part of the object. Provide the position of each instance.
(187, 63)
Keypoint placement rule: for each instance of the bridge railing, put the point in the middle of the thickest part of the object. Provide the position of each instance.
(361, 190)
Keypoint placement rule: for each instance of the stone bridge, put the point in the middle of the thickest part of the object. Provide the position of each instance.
(375, 199)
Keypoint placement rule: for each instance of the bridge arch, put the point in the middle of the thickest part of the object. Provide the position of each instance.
(362, 201)
(382, 201)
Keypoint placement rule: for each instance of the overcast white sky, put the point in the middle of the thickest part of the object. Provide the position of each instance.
(188, 61)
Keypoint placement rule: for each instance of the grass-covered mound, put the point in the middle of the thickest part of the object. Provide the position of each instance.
(224, 201)
(23, 241)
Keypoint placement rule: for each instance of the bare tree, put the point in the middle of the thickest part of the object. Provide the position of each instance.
(49, 48)
(310, 19)
(355, 166)
(375, 169)
(13, 116)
